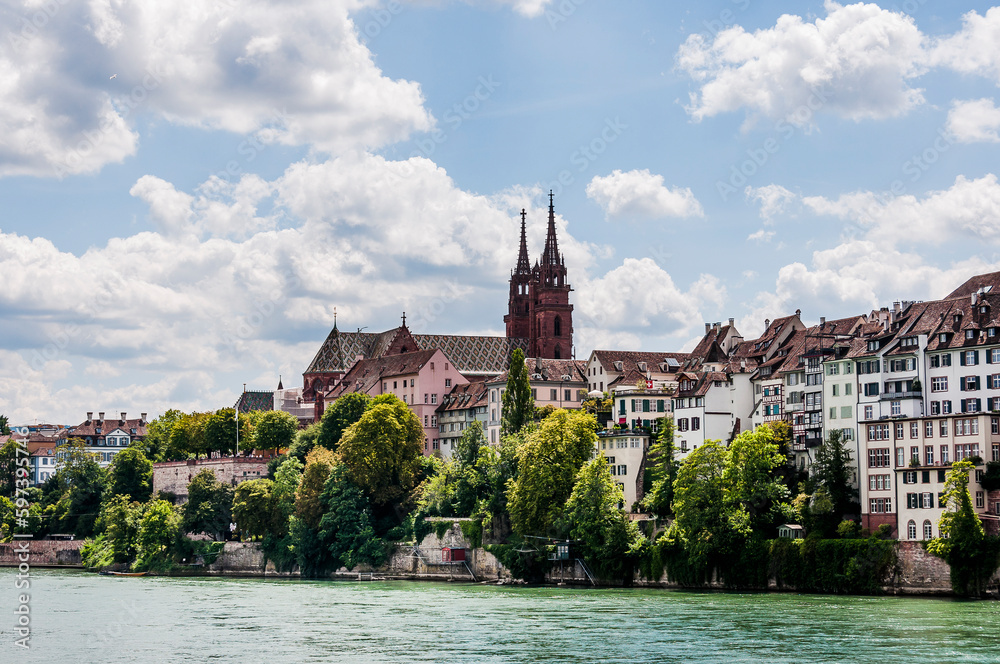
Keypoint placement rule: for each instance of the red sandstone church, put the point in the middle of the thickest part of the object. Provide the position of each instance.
(419, 367)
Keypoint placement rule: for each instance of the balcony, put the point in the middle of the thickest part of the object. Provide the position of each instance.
(898, 396)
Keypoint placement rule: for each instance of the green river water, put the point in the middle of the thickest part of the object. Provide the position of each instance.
(82, 617)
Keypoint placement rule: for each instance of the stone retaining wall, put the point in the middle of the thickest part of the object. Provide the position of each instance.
(41, 553)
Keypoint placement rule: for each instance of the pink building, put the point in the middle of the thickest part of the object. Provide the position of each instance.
(420, 379)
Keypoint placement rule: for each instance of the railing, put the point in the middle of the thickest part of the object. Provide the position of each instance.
(896, 396)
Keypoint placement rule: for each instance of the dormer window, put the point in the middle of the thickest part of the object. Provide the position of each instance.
(619, 366)
(908, 341)
(983, 309)
(970, 334)
(943, 338)
(642, 366)
(957, 318)
(872, 345)
(97, 430)
(992, 332)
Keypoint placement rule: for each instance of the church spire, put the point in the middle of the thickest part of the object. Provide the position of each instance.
(523, 265)
(551, 254)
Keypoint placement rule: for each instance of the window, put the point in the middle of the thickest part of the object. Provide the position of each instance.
(682, 424)
(993, 355)
(833, 412)
(993, 381)
(914, 429)
(929, 455)
(871, 389)
(427, 398)
(911, 530)
(879, 483)
(434, 420)
(915, 454)
(836, 390)
(695, 423)
(434, 398)
(878, 458)
(447, 381)
(939, 384)
(969, 358)
(909, 477)
(880, 505)
(845, 412)
(868, 412)
(900, 456)
(553, 395)
(427, 419)
(946, 407)
(832, 369)
(935, 408)
(996, 451)
(971, 405)
(896, 409)
(567, 395)
(928, 429)
(968, 383)
(848, 389)
(980, 500)
(899, 430)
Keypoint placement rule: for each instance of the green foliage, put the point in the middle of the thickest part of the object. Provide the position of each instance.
(131, 474)
(753, 494)
(305, 441)
(4, 426)
(336, 419)
(345, 529)
(97, 553)
(308, 507)
(832, 470)
(991, 478)
(156, 443)
(83, 480)
(547, 464)
(592, 515)
(852, 566)
(441, 528)
(521, 559)
(209, 508)
(700, 525)
(517, 407)
(119, 521)
(158, 529)
(473, 533)
(274, 430)
(255, 509)
(9, 464)
(848, 529)
(220, 432)
(972, 556)
(663, 466)
(383, 451)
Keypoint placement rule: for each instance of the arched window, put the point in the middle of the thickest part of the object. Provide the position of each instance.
(557, 328)
(928, 530)
(911, 530)
(558, 353)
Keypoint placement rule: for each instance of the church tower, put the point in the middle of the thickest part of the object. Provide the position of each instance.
(518, 318)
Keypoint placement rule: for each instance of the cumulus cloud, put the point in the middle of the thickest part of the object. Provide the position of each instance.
(973, 49)
(773, 200)
(213, 65)
(970, 208)
(857, 63)
(641, 194)
(975, 121)
(761, 236)
(854, 278)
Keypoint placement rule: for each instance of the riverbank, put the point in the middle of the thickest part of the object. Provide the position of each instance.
(917, 573)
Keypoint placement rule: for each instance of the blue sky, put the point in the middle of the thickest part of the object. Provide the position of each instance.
(191, 188)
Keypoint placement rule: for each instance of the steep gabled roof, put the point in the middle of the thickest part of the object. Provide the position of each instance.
(990, 281)
(464, 395)
(365, 375)
(552, 370)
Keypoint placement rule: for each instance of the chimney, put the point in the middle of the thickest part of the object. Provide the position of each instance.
(767, 323)
(822, 321)
(708, 328)
(90, 415)
(123, 418)
(142, 416)
(716, 326)
(100, 416)
(798, 312)
(732, 321)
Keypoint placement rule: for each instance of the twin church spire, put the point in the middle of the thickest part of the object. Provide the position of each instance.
(538, 309)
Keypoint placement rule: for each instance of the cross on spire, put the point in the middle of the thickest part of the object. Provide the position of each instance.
(523, 264)
(404, 319)
(551, 253)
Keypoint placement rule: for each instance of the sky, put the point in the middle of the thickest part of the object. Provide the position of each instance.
(190, 190)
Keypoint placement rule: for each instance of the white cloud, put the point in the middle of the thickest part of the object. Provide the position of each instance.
(761, 236)
(773, 199)
(641, 194)
(973, 49)
(856, 63)
(974, 121)
(969, 207)
(212, 65)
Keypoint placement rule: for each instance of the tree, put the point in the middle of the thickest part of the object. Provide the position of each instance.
(286, 482)
(9, 465)
(517, 407)
(343, 413)
(963, 543)
(254, 508)
(131, 474)
(187, 437)
(4, 426)
(345, 530)
(158, 528)
(832, 471)
(156, 443)
(83, 481)
(663, 470)
(274, 430)
(209, 507)
(119, 521)
(754, 495)
(594, 519)
(547, 465)
(308, 507)
(699, 515)
(220, 431)
(305, 441)
(382, 451)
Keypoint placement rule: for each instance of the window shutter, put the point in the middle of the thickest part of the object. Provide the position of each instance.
(930, 500)
(975, 355)
(961, 358)
(989, 357)
(963, 405)
(979, 404)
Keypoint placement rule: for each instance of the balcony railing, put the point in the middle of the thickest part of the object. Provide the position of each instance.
(896, 396)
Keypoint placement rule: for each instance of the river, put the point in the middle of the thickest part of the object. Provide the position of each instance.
(82, 617)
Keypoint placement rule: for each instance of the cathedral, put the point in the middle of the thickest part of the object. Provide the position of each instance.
(539, 321)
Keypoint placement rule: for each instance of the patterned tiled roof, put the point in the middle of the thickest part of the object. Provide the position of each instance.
(552, 370)
(471, 355)
(252, 400)
(464, 395)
